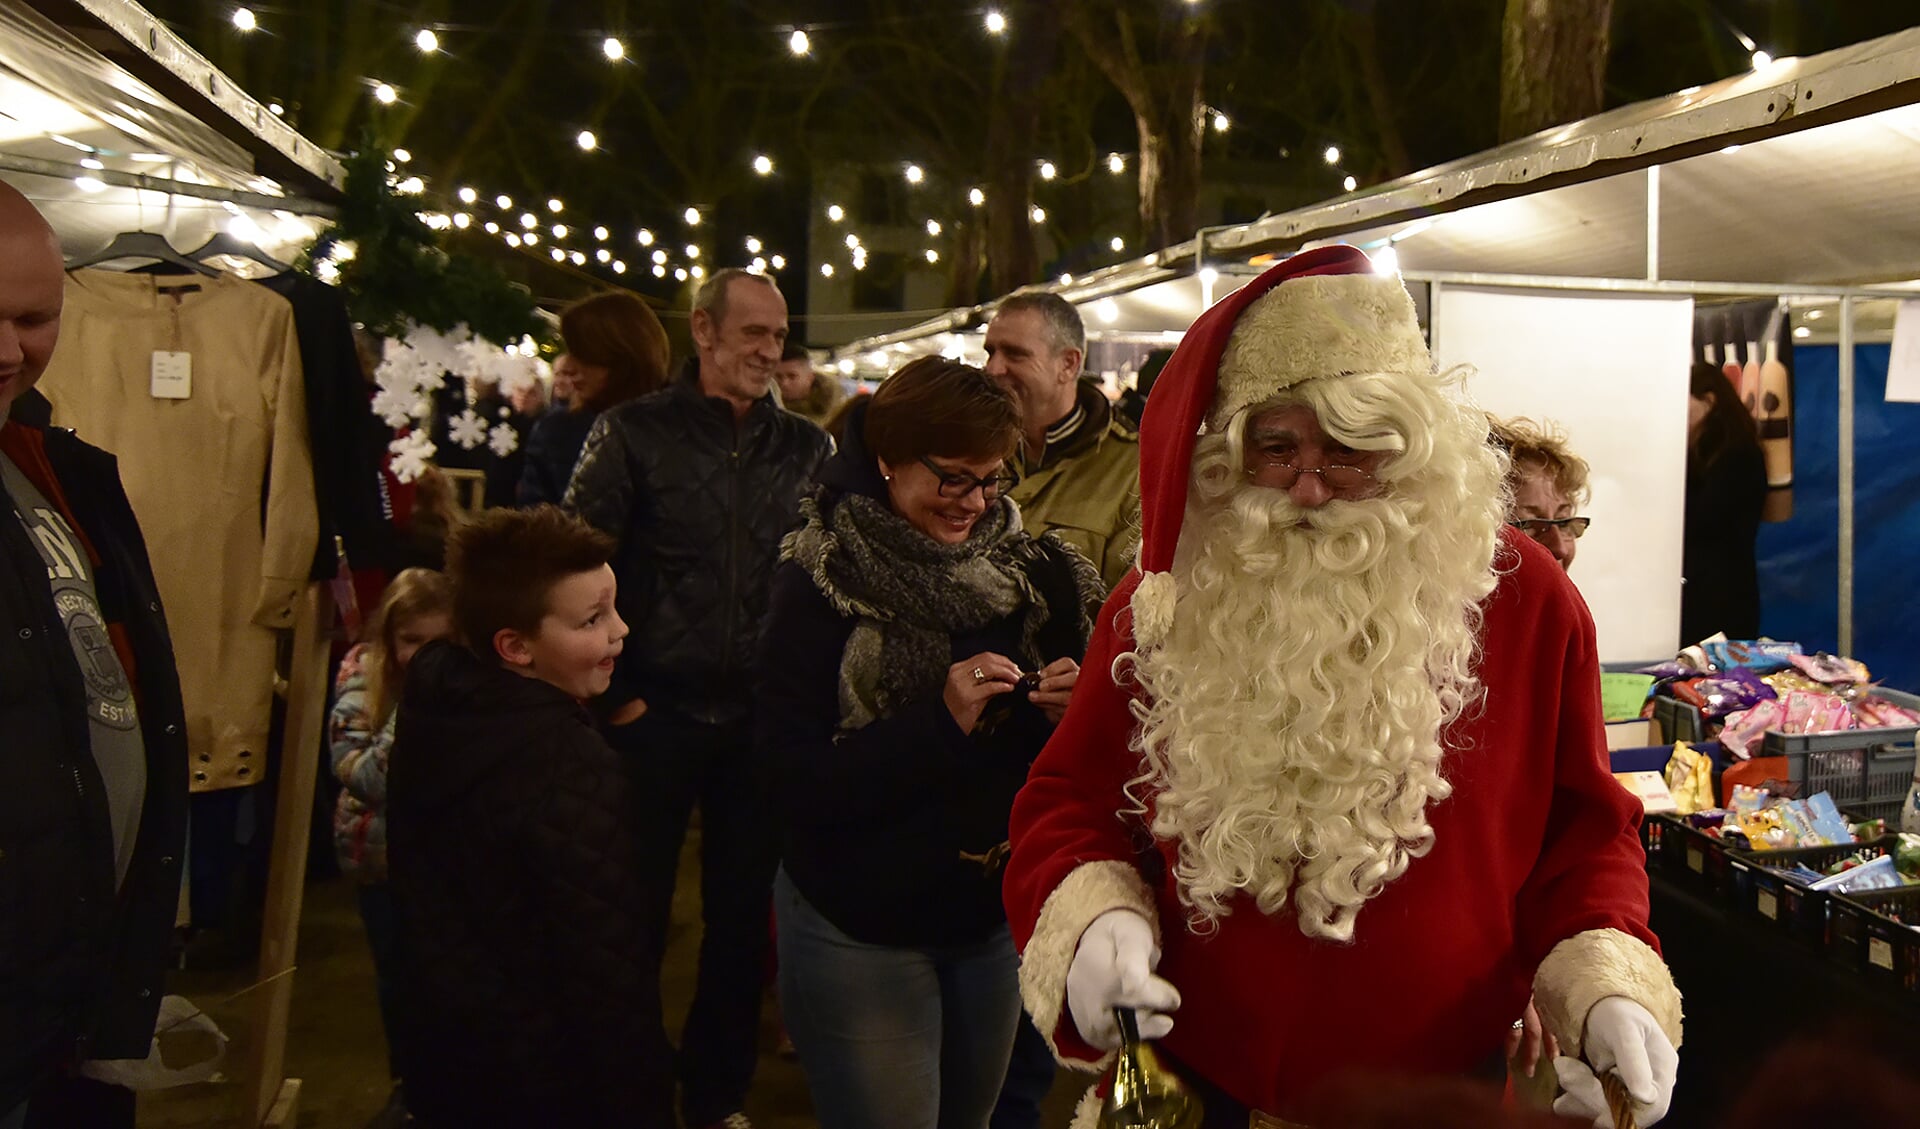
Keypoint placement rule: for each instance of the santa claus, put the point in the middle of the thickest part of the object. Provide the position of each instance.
(1333, 787)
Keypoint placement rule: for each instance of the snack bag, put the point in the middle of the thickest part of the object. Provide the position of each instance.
(1690, 779)
(1828, 823)
(1761, 656)
(1766, 831)
(1743, 729)
(1830, 669)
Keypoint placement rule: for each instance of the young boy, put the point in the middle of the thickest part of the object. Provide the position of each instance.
(511, 850)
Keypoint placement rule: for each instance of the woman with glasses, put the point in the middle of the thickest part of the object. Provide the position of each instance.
(919, 650)
(1546, 485)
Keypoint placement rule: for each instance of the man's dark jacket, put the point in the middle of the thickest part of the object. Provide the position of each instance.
(82, 965)
(531, 980)
(699, 506)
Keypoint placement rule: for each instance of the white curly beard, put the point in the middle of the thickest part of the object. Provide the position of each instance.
(1291, 739)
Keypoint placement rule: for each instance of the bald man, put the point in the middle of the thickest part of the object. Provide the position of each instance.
(93, 816)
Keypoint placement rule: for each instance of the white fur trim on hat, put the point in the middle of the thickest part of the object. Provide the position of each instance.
(1088, 890)
(1153, 601)
(1323, 325)
(1588, 967)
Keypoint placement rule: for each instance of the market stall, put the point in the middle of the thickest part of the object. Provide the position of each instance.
(1784, 184)
(163, 163)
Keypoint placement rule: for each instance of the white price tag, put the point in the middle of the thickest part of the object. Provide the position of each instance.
(1769, 905)
(172, 375)
(1880, 953)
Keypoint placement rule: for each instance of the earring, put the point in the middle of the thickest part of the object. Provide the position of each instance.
(886, 478)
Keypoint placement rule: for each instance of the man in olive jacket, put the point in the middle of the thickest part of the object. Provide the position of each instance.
(93, 817)
(1080, 463)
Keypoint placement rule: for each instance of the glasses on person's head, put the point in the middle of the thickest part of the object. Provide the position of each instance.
(1282, 474)
(959, 484)
(1540, 528)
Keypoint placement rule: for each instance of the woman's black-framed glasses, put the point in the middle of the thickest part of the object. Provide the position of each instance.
(958, 484)
(1539, 527)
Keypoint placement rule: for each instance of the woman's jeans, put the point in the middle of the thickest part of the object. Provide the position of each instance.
(895, 1038)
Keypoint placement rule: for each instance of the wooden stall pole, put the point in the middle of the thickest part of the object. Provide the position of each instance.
(286, 874)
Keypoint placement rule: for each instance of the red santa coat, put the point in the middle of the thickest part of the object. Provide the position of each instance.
(1536, 853)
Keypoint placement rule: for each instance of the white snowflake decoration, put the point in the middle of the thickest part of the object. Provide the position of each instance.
(395, 405)
(412, 453)
(468, 430)
(504, 440)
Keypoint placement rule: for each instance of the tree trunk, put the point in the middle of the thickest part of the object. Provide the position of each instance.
(1164, 93)
(1363, 33)
(1553, 63)
(1012, 126)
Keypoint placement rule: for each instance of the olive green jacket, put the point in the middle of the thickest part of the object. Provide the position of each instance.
(1086, 488)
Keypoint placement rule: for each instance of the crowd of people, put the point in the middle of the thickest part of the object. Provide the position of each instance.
(1001, 709)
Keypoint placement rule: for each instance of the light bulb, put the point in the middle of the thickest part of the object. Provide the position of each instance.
(1221, 123)
(385, 95)
(659, 271)
(915, 174)
(996, 23)
(1762, 60)
(587, 141)
(933, 227)
(243, 19)
(1332, 154)
(528, 219)
(976, 197)
(659, 256)
(763, 165)
(619, 266)
(461, 220)
(601, 233)
(644, 237)
(427, 41)
(503, 202)
(402, 155)
(559, 256)
(836, 213)
(933, 256)
(1047, 171)
(779, 262)
(826, 270)
(559, 231)
(799, 43)
(1350, 184)
(555, 206)
(469, 196)
(1118, 244)
(1038, 215)
(493, 228)
(579, 258)
(753, 245)
(692, 217)
(613, 49)
(1116, 164)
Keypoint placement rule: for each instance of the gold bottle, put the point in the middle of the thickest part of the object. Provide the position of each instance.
(1145, 1094)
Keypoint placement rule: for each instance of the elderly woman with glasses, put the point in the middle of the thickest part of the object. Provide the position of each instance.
(1546, 484)
(919, 650)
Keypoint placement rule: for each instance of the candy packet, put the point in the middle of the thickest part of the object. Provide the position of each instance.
(1832, 670)
(1871, 712)
(1879, 874)
(1724, 694)
(1828, 823)
(1759, 655)
(1690, 779)
(1746, 800)
(1767, 831)
(1798, 823)
(1743, 727)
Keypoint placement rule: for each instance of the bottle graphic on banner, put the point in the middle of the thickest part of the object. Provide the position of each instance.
(1776, 415)
(1750, 379)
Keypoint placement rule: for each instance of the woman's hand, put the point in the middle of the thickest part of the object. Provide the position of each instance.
(1057, 680)
(1528, 1041)
(972, 683)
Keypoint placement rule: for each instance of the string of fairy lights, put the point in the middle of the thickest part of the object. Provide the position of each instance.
(596, 246)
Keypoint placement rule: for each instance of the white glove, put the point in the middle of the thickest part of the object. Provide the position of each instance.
(1113, 967)
(1622, 1037)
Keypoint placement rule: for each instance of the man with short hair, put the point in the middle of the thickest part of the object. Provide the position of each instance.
(93, 816)
(802, 390)
(1333, 795)
(698, 483)
(1080, 463)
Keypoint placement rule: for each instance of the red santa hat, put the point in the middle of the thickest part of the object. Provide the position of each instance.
(1320, 313)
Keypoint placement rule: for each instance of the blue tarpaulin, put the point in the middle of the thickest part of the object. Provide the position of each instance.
(1799, 558)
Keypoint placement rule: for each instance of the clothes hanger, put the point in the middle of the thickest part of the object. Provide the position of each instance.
(224, 243)
(142, 245)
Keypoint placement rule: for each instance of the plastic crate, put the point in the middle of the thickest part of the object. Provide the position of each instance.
(1862, 936)
(1866, 771)
(1677, 720)
(1692, 855)
(1757, 884)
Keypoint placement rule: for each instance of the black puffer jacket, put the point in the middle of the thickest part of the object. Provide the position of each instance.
(699, 506)
(81, 968)
(530, 985)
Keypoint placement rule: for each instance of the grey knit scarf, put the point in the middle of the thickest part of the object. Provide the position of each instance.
(909, 595)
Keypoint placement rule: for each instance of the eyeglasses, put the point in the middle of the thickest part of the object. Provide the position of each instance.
(958, 484)
(1336, 478)
(1539, 527)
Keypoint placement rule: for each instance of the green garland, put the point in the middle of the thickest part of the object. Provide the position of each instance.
(400, 276)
